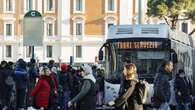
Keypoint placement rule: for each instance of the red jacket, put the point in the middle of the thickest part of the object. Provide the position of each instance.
(42, 91)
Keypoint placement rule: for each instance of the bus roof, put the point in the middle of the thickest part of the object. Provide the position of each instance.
(146, 31)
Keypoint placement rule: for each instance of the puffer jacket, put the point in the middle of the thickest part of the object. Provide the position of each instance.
(42, 91)
(162, 86)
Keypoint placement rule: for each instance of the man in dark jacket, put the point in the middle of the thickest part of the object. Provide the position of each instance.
(66, 82)
(183, 90)
(33, 75)
(162, 86)
(3, 74)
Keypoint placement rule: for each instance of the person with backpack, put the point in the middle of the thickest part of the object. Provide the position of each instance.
(86, 98)
(161, 87)
(129, 96)
(21, 80)
(183, 90)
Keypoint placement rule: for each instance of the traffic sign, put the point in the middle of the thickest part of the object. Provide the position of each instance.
(33, 29)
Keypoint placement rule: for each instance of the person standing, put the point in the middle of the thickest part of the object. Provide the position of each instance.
(86, 98)
(21, 80)
(66, 82)
(128, 97)
(162, 86)
(183, 90)
(33, 75)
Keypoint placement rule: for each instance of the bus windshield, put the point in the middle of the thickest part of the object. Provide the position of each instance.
(147, 61)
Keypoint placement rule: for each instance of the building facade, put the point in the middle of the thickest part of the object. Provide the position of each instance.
(75, 28)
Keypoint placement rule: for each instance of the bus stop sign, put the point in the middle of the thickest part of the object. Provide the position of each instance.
(33, 29)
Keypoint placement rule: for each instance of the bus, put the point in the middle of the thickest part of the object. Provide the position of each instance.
(147, 46)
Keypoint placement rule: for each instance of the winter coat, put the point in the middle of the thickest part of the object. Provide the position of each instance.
(100, 83)
(42, 91)
(184, 86)
(4, 73)
(162, 86)
(66, 80)
(21, 77)
(130, 102)
(86, 98)
(33, 73)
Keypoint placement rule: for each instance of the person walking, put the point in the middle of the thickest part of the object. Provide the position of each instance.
(128, 97)
(44, 91)
(86, 98)
(162, 86)
(183, 90)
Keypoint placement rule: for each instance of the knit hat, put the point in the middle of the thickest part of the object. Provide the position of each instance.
(32, 60)
(64, 67)
(181, 71)
(87, 69)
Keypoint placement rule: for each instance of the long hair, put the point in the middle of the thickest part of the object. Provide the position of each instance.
(131, 75)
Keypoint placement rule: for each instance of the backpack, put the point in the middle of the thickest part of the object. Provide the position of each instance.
(141, 92)
(9, 81)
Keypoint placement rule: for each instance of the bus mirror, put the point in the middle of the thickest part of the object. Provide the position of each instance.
(100, 55)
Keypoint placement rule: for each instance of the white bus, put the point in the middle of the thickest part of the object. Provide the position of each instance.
(145, 45)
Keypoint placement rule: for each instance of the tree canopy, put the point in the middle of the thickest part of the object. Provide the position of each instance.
(172, 11)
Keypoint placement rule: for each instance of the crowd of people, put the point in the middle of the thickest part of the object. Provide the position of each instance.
(49, 86)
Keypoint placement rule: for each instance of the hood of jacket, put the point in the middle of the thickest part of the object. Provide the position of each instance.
(91, 77)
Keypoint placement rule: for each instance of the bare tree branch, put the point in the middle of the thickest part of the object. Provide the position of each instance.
(192, 32)
(166, 20)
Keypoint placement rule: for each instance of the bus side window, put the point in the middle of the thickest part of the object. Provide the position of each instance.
(174, 56)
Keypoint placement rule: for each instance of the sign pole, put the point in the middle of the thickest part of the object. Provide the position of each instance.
(33, 54)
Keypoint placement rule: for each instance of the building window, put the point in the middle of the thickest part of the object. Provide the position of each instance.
(49, 51)
(8, 51)
(110, 6)
(110, 24)
(8, 30)
(109, 21)
(50, 29)
(78, 25)
(50, 5)
(78, 51)
(9, 5)
(28, 51)
(79, 6)
(28, 5)
(184, 27)
(78, 28)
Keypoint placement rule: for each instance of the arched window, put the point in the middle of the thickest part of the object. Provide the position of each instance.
(78, 25)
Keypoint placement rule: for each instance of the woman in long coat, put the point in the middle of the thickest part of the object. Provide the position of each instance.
(86, 98)
(128, 98)
(44, 90)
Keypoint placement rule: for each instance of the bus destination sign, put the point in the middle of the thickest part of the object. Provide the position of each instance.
(139, 45)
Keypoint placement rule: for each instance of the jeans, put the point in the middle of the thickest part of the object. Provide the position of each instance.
(163, 106)
(186, 106)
